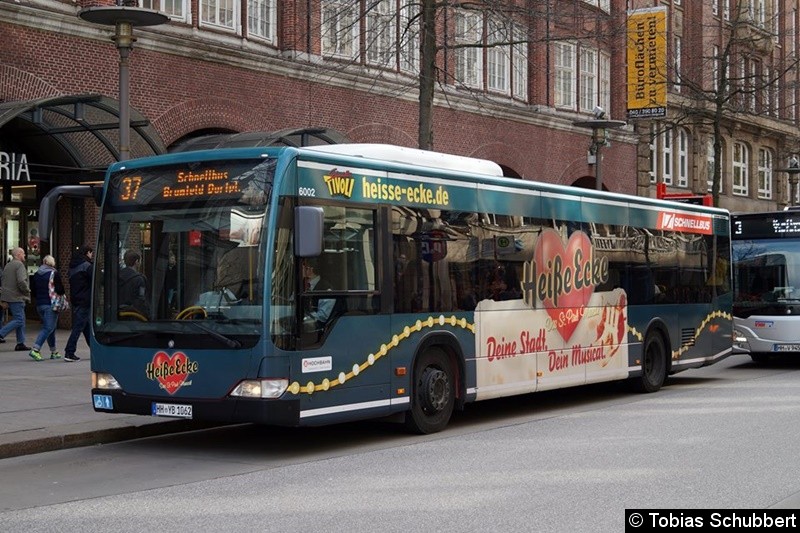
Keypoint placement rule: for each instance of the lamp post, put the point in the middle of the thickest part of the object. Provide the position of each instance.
(599, 127)
(124, 19)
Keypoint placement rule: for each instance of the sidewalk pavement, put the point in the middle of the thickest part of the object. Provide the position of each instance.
(46, 405)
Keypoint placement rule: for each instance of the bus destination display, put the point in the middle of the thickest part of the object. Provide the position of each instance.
(765, 227)
(187, 185)
(232, 180)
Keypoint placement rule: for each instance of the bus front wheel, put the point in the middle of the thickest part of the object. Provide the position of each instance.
(654, 364)
(433, 393)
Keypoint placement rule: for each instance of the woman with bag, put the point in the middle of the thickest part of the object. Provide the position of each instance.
(48, 296)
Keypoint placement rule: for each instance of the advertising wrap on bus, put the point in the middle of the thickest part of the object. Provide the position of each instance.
(311, 286)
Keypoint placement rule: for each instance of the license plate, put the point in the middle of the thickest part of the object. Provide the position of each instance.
(172, 410)
(786, 348)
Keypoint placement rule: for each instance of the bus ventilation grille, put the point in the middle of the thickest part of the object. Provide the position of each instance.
(687, 337)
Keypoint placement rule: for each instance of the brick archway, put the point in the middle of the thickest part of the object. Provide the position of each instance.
(204, 114)
(16, 84)
(381, 133)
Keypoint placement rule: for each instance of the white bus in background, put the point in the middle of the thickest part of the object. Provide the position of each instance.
(766, 274)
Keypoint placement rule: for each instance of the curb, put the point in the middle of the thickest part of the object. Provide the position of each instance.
(61, 438)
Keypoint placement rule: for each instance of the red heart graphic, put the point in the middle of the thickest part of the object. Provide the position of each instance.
(564, 303)
(172, 370)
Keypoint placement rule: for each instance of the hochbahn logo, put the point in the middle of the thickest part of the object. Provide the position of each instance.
(685, 223)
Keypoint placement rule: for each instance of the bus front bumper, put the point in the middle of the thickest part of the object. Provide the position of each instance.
(230, 410)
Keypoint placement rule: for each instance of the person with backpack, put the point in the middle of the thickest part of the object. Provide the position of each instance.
(40, 290)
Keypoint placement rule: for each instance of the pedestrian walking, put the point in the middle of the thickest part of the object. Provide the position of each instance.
(80, 290)
(45, 279)
(16, 293)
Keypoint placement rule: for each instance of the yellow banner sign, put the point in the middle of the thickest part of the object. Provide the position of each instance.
(647, 63)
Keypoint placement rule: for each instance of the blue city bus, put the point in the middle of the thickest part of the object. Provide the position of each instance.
(310, 286)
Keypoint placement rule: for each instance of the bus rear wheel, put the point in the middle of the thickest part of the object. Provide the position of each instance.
(433, 393)
(654, 364)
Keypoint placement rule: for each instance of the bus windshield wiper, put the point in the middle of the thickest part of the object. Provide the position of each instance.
(227, 341)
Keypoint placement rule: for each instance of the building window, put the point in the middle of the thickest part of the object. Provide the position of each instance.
(565, 74)
(740, 162)
(653, 153)
(710, 166)
(391, 31)
(588, 80)
(604, 88)
(676, 83)
(726, 9)
(409, 36)
(587, 87)
(666, 157)
(502, 53)
(498, 57)
(766, 103)
(605, 5)
(519, 55)
(177, 10)
(340, 28)
(714, 67)
(261, 17)
(760, 16)
(380, 33)
(220, 13)
(469, 61)
(682, 141)
(764, 173)
(670, 149)
(715, 7)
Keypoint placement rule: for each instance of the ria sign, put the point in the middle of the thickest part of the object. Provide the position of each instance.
(14, 167)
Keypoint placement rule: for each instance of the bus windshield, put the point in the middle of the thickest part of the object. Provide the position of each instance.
(180, 254)
(767, 272)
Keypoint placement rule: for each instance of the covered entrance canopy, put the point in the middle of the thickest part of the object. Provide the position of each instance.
(70, 135)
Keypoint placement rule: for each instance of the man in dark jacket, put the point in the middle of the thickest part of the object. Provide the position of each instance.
(132, 285)
(80, 286)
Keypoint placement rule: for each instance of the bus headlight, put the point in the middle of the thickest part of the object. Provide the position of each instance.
(738, 338)
(260, 388)
(101, 380)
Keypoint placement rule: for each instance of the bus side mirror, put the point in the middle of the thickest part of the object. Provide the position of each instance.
(308, 230)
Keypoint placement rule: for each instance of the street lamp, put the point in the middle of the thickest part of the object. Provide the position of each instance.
(599, 126)
(793, 170)
(124, 19)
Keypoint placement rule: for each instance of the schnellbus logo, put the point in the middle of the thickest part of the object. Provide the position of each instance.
(685, 223)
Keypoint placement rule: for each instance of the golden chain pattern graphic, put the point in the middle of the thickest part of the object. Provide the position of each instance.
(326, 384)
(680, 351)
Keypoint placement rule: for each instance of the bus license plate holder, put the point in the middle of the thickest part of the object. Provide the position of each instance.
(795, 347)
(172, 410)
